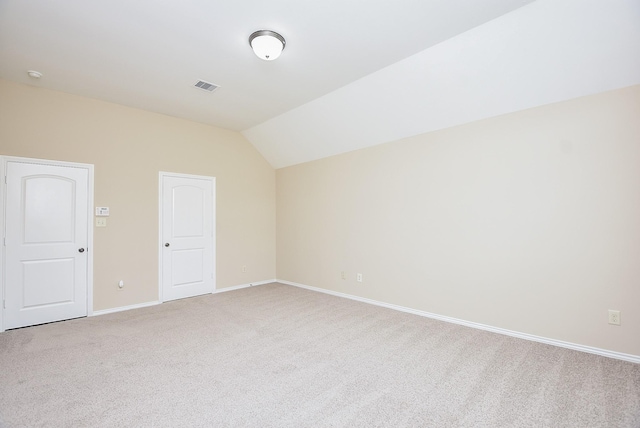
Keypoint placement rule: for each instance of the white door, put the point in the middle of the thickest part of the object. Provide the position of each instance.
(187, 236)
(46, 255)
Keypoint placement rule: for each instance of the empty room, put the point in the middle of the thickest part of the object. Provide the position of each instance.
(366, 213)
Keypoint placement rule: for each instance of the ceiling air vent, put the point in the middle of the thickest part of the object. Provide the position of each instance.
(206, 86)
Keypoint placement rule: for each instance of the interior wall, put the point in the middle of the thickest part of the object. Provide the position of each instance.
(128, 148)
(528, 221)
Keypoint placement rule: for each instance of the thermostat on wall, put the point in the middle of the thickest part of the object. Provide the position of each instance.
(102, 211)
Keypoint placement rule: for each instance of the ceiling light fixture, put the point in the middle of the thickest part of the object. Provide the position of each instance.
(34, 74)
(267, 44)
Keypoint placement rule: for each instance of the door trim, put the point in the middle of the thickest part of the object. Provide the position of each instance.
(3, 171)
(161, 175)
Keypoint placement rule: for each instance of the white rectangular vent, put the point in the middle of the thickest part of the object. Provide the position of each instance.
(206, 86)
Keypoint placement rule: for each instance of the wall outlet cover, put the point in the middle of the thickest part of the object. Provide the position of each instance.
(614, 317)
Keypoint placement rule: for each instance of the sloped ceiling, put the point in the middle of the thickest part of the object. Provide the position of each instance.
(149, 54)
(548, 51)
(353, 74)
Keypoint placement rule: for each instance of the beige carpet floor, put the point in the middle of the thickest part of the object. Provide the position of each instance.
(279, 356)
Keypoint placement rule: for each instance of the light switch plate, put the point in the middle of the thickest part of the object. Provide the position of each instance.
(101, 222)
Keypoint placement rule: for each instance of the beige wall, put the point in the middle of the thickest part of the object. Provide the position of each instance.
(528, 221)
(128, 148)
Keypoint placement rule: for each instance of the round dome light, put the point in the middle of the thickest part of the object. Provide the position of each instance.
(267, 44)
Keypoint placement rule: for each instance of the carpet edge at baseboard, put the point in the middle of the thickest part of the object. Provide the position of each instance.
(124, 308)
(238, 287)
(560, 343)
(157, 302)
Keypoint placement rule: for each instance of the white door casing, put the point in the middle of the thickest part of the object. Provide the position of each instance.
(187, 236)
(47, 247)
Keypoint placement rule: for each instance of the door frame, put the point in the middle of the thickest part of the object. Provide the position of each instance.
(3, 191)
(161, 176)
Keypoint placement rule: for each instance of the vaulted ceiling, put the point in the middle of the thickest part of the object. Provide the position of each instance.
(353, 74)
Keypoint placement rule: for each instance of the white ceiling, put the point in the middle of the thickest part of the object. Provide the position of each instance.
(545, 52)
(354, 73)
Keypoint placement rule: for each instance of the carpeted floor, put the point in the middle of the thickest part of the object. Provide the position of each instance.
(279, 356)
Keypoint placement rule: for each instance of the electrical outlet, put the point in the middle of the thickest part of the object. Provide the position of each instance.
(244, 268)
(359, 277)
(614, 317)
(343, 275)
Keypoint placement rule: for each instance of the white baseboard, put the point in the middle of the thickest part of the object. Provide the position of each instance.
(124, 308)
(238, 287)
(560, 343)
(144, 305)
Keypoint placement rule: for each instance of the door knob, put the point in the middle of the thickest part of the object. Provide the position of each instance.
(81, 250)
(166, 245)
